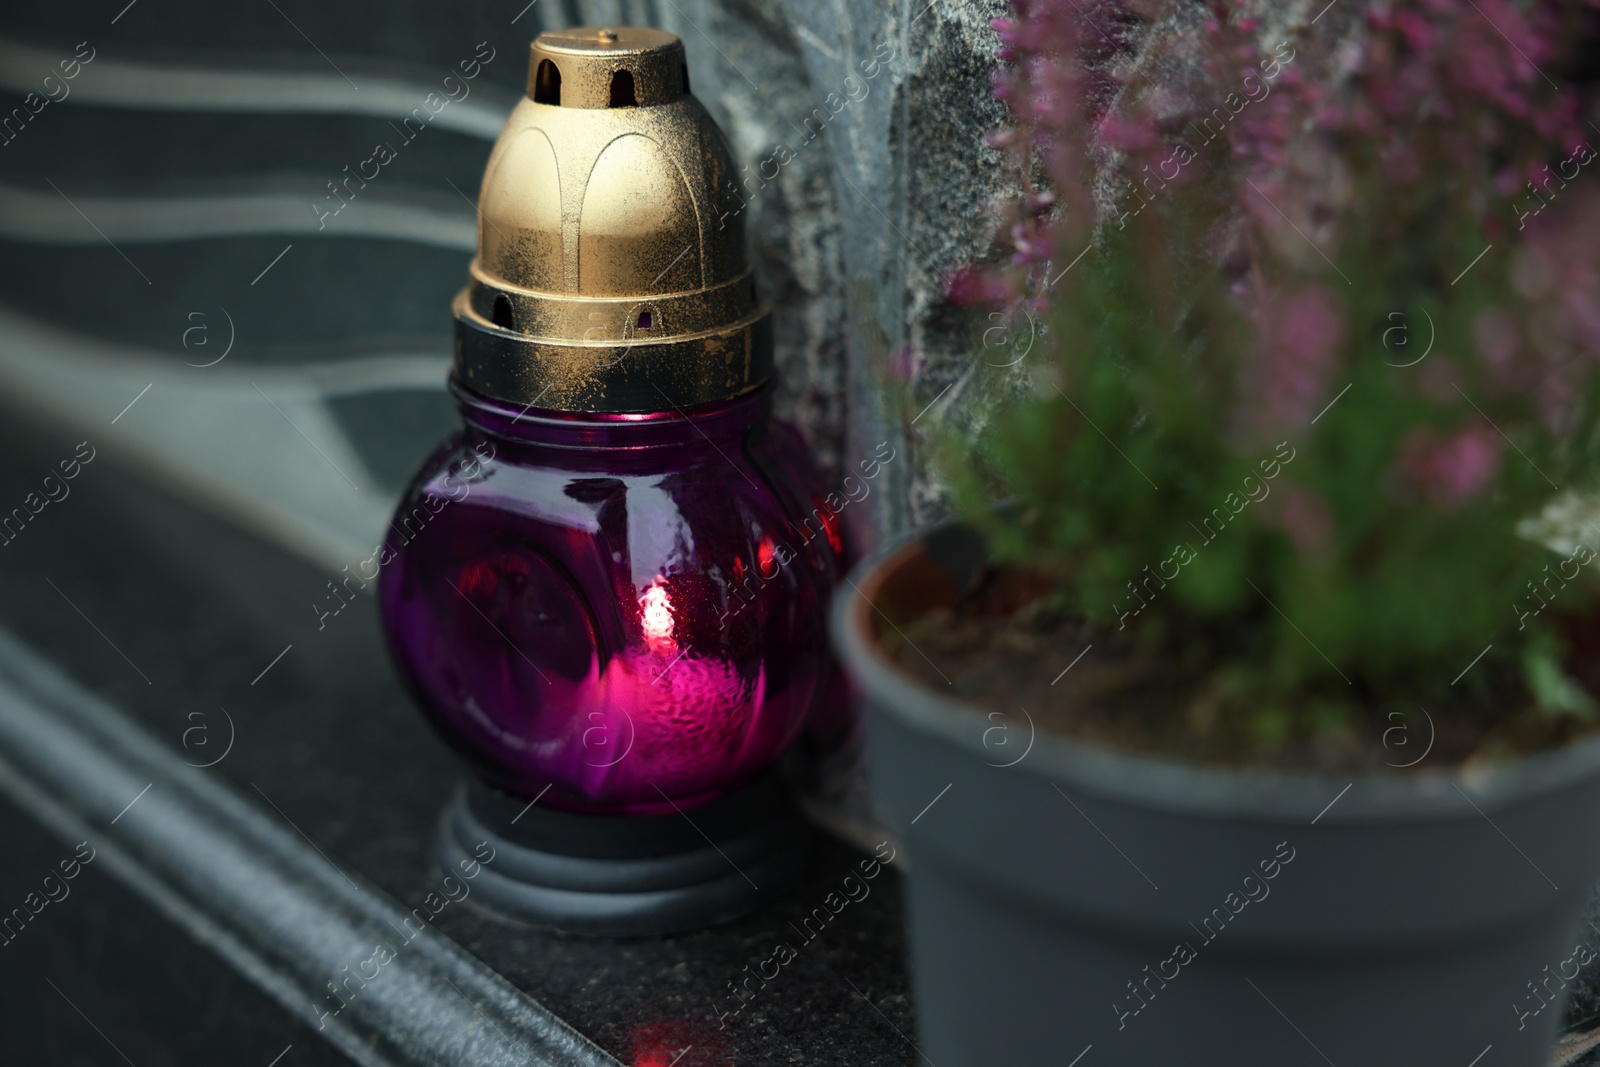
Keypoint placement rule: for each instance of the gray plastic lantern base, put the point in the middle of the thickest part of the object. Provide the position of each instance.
(620, 875)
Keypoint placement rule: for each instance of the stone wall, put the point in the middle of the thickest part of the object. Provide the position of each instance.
(883, 109)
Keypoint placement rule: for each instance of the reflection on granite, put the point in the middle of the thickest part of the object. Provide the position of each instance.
(97, 968)
(201, 609)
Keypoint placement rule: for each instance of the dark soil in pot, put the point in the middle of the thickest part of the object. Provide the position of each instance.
(1003, 646)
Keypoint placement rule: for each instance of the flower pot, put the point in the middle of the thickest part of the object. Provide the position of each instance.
(1074, 904)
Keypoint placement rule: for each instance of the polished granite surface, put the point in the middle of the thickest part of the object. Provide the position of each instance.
(166, 612)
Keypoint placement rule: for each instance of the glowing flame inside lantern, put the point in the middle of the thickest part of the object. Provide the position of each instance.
(655, 618)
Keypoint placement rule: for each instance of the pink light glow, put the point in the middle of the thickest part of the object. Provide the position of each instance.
(655, 618)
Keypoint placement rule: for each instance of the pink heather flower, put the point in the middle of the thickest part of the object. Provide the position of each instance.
(1495, 334)
(1558, 275)
(1304, 515)
(1401, 164)
(971, 285)
(1416, 30)
(1031, 241)
(905, 363)
(1565, 248)
(1436, 93)
(1297, 340)
(1121, 133)
(1438, 377)
(1450, 471)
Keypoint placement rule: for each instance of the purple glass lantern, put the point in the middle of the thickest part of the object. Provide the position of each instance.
(607, 592)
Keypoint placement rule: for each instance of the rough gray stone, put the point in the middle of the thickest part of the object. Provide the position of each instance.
(857, 233)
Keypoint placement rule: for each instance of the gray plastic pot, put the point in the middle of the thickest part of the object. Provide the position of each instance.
(1067, 900)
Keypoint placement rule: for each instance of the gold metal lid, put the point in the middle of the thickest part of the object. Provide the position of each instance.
(611, 275)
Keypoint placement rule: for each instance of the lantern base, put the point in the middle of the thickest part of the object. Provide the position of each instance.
(622, 875)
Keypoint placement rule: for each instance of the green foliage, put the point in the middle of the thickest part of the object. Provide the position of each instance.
(1320, 465)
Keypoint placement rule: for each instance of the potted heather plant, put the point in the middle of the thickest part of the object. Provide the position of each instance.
(1248, 714)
